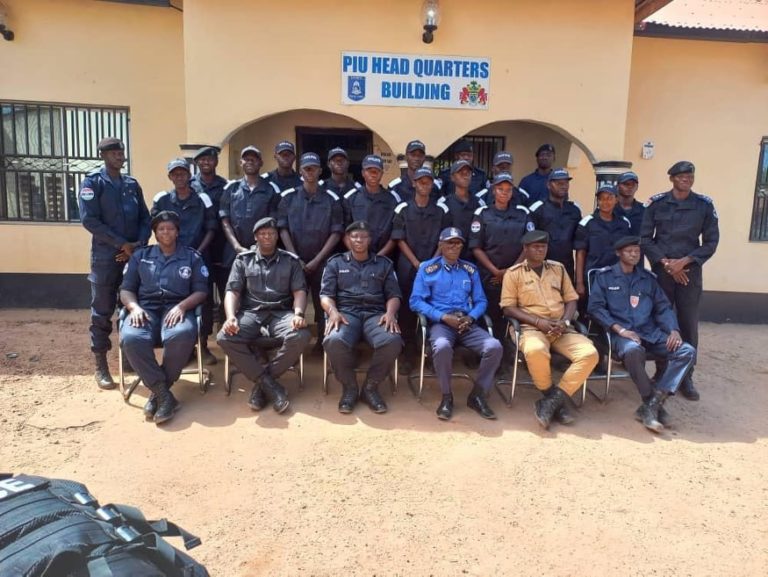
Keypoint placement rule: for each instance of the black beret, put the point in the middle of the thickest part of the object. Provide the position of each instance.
(535, 236)
(110, 144)
(266, 222)
(626, 241)
(206, 151)
(358, 225)
(681, 167)
(166, 216)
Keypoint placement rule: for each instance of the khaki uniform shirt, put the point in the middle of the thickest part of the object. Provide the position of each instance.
(544, 296)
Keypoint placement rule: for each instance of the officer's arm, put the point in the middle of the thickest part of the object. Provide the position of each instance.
(299, 302)
(90, 216)
(581, 259)
(330, 244)
(663, 313)
(479, 300)
(229, 233)
(407, 252)
(388, 247)
(285, 236)
(598, 305)
(211, 224)
(145, 220)
(419, 295)
(647, 242)
(199, 285)
(231, 306)
(509, 302)
(710, 237)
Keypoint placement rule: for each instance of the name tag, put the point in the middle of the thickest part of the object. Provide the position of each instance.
(614, 288)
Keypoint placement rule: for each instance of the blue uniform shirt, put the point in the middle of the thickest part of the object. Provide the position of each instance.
(244, 207)
(196, 214)
(214, 190)
(441, 288)
(161, 281)
(340, 189)
(113, 212)
(378, 210)
(500, 234)
(310, 219)
(535, 186)
(635, 301)
(292, 180)
(406, 190)
(596, 236)
(634, 215)
(560, 222)
(360, 287)
(461, 214)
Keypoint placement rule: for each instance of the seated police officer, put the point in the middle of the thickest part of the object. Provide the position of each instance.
(448, 291)
(627, 300)
(162, 285)
(266, 297)
(361, 297)
(539, 293)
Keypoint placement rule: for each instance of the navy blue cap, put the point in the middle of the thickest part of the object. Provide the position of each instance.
(206, 151)
(165, 216)
(422, 173)
(535, 236)
(681, 167)
(266, 222)
(502, 157)
(626, 241)
(309, 159)
(250, 148)
(607, 188)
(502, 177)
(627, 176)
(110, 144)
(336, 152)
(177, 163)
(545, 148)
(559, 174)
(463, 146)
(415, 145)
(451, 232)
(284, 145)
(373, 161)
(357, 225)
(458, 165)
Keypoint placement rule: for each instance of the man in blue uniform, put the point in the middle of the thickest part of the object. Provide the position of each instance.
(627, 206)
(266, 296)
(461, 204)
(361, 297)
(245, 202)
(679, 234)
(627, 300)
(113, 210)
(405, 185)
(163, 284)
(311, 222)
(284, 176)
(463, 150)
(559, 217)
(536, 184)
(374, 205)
(340, 180)
(449, 293)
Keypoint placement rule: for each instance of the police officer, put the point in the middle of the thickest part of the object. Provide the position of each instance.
(502, 162)
(163, 284)
(536, 184)
(374, 205)
(463, 150)
(416, 228)
(679, 234)
(113, 210)
(448, 291)
(627, 300)
(627, 206)
(595, 236)
(559, 217)
(245, 202)
(266, 296)
(284, 176)
(461, 204)
(497, 242)
(361, 297)
(404, 185)
(340, 180)
(311, 222)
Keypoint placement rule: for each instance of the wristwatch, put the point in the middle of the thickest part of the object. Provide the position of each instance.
(567, 322)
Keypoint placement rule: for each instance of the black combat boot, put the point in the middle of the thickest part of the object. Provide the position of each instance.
(348, 398)
(445, 410)
(257, 400)
(477, 402)
(373, 398)
(167, 405)
(150, 407)
(564, 415)
(547, 407)
(663, 416)
(103, 377)
(275, 392)
(688, 390)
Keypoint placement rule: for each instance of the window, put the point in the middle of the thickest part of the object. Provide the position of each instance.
(759, 228)
(484, 149)
(45, 152)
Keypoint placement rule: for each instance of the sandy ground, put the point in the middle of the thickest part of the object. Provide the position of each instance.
(313, 492)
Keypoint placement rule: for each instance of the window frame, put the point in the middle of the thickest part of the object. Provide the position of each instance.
(758, 229)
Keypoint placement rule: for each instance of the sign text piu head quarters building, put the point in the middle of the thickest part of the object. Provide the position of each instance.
(379, 79)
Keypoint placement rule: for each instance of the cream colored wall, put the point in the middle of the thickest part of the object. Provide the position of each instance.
(559, 62)
(86, 52)
(706, 102)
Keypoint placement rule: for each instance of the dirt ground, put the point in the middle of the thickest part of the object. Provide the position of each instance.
(313, 492)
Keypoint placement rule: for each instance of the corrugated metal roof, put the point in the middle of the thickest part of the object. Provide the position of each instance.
(748, 15)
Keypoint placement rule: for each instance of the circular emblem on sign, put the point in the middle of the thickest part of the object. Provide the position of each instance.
(185, 272)
(475, 226)
(86, 194)
(204, 271)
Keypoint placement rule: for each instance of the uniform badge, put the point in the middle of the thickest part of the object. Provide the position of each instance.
(529, 227)
(475, 226)
(86, 194)
(634, 301)
(185, 272)
(204, 271)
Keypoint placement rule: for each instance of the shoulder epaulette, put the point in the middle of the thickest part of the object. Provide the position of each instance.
(335, 256)
(535, 206)
(625, 219)
(654, 198)
(516, 266)
(397, 196)
(479, 210)
(554, 263)
(194, 251)
(704, 197)
(230, 183)
(287, 191)
(432, 268)
(274, 186)
(128, 177)
(604, 269)
(264, 175)
(468, 266)
(350, 192)
(524, 192)
(584, 221)
(332, 194)
(207, 202)
(438, 183)
(576, 204)
(394, 182)
(523, 208)
(400, 207)
(94, 172)
(441, 203)
(481, 193)
(293, 255)
(245, 253)
(320, 182)
(159, 195)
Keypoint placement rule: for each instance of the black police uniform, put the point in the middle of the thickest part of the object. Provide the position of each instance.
(114, 212)
(476, 184)
(519, 196)
(672, 229)
(244, 207)
(536, 186)
(461, 214)
(161, 282)
(361, 291)
(406, 190)
(266, 286)
(196, 213)
(560, 222)
(377, 210)
(634, 214)
(499, 233)
(597, 236)
(215, 190)
(340, 189)
(291, 180)
(310, 220)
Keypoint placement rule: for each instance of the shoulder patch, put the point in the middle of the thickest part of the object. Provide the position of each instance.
(479, 210)
(332, 194)
(523, 208)
(432, 268)
(394, 182)
(400, 207)
(584, 221)
(469, 267)
(159, 195)
(535, 206)
(397, 196)
(350, 192)
(287, 191)
(207, 202)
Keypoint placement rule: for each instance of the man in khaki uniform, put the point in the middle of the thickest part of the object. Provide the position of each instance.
(539, 293)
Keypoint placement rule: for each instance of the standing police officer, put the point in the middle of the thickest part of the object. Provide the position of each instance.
(463, 150)
(361, 298)
(284, 176)
(340, 181)
(113, 210)
(461, 204)
(673, 224)
(627, 206)
(502, 163)
(536, 184)
(405, 185)
(264, 283)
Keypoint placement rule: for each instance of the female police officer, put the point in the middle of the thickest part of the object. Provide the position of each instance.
(162, 285)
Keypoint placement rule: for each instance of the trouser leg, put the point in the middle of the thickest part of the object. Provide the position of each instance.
(294, 342)
(339, 345)
(237, 346)
(686, 300)
(442, 339)
(679, 365)
(314, 280)
(535, 347)
(583, 356)
(139, 348)
(178, 342)
(490, 351)
(386, 347)
(633, 356)
(105, 281)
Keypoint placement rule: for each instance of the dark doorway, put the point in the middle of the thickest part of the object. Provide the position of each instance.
(357, 143)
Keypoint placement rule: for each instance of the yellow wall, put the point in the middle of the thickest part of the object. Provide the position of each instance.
(86, 52)
(706, 102)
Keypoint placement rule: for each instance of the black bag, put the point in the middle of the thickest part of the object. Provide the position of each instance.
(55, 528)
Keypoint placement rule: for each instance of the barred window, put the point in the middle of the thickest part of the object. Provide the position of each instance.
(45, 152)
(484, 149)
(759, 228)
